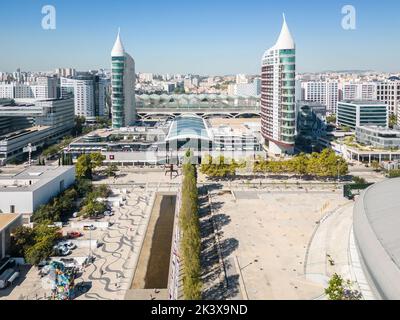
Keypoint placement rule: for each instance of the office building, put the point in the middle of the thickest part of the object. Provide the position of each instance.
(123, 86)
(278, 111)
(378, 137)
(354, 114)
(311, 124)
(39, 122)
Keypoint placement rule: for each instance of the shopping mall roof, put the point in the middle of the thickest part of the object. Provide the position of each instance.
(189, 127)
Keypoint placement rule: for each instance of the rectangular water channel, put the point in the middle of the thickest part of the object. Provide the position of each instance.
(152, 270)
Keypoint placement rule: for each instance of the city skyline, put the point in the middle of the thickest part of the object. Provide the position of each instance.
(225, 38)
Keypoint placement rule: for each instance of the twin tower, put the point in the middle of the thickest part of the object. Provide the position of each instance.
(278, 98)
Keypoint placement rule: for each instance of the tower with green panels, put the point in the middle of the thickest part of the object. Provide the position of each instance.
(123, 80)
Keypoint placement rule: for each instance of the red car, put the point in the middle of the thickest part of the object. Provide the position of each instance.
(74, 234)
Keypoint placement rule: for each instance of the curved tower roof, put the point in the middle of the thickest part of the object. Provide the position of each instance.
(285, 40)
(118, 49)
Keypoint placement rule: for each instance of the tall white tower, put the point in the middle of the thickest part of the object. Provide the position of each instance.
(123, 81)
(278, 96)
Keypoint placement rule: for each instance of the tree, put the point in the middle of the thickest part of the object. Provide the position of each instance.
(22, 238)
(375, 165)
(190, 227)
(35, 244)
(83, 187)
(97, 159)
(93, 208)
(331, 119)
(359, 180)
(338, 289)
(79, 122)
(111, 170)
(219, 167)
(84, 167)
(392, 120)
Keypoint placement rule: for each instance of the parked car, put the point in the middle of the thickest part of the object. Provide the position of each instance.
(74, 234)
(67, 244)
(62, 250)
(89, 227)
(108, 213)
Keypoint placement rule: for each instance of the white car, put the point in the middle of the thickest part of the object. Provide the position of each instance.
(67, 244)
(108, 213)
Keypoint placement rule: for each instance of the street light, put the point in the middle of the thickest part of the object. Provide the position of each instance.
(241, 275)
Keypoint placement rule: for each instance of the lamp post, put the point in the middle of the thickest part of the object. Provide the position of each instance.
(241, 275)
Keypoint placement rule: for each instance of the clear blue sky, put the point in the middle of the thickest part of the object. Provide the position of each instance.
(205, 37)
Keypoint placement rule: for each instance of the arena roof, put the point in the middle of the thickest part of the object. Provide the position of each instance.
(376, 227)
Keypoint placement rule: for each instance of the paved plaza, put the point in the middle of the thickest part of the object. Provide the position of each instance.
(269, 237)
(109, 277)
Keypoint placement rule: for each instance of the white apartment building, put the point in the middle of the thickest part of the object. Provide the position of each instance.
(241, 78)
(42, 88)
(278, 105)
(323, 92)
(90, 93)
(66, 72)
(146, 77)
(389, 92)
(245, 89)
(358, 91)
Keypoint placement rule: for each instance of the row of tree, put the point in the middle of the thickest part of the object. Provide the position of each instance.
(57, 208)
(190, 228)
(320, 165)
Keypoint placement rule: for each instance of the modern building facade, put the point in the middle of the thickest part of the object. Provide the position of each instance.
(90, 95)
(354, 114)
(311, 123)
(323, 92)
(123, 86)
(278, 110)
(39, 122)
(378, 137)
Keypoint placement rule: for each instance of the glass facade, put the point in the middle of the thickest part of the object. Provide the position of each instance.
(118, 66)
